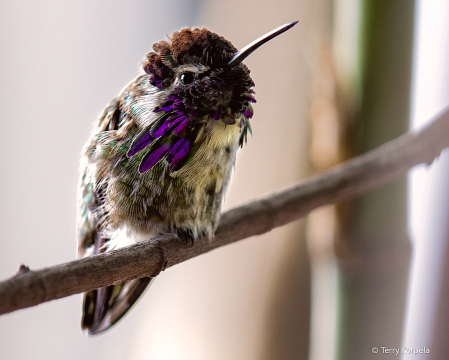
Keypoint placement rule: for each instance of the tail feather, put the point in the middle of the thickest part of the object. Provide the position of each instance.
(104, 307)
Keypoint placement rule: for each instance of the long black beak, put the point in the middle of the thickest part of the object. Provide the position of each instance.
(240, 55)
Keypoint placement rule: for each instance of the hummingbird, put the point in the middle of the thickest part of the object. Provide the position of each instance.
(160, 157)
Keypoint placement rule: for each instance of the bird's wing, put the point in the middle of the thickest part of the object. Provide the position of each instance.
(102, 307)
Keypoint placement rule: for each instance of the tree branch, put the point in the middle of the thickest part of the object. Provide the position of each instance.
(148, 258)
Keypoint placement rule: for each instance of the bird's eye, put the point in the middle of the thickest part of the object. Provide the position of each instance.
(186, 77)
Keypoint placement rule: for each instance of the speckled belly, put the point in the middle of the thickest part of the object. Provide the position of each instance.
(189, 199)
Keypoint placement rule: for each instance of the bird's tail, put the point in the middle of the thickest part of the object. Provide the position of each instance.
(104, 307)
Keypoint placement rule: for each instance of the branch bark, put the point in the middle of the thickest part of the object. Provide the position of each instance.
(148, 258)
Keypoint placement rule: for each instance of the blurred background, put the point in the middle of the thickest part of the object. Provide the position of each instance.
(351, 75)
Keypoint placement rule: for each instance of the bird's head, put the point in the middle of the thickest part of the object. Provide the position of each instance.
(193, 66)
(199, 77)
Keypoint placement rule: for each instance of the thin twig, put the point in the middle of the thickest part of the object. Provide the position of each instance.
(148, 258)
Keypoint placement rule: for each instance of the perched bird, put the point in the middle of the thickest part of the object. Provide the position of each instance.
(160, 157)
